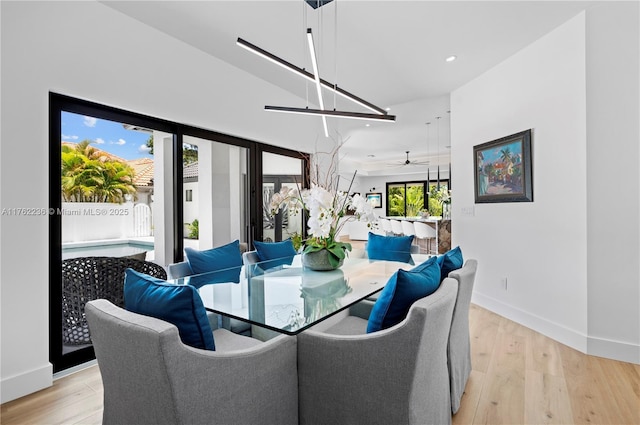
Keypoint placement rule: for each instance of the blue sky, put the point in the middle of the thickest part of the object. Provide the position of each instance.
(493, 154)
(105, 135)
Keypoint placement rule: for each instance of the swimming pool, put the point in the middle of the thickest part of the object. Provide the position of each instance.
(105, 248)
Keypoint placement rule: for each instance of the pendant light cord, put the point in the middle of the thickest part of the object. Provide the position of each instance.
(335, 52)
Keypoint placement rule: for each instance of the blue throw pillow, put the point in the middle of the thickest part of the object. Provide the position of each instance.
(449, 261)
(220, 258)
(275, 253)
(390, 248)
(401, 291)
(177, 304)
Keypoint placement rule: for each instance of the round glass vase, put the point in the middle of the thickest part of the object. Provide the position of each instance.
(319, 260)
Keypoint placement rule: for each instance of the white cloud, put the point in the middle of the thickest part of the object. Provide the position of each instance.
(120, 142)
(66, 137)
(99, 141)
(90, 121)
(144, 148)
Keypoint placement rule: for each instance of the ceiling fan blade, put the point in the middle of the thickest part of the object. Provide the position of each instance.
(407, 162)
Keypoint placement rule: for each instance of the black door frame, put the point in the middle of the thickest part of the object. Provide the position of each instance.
(59, 103)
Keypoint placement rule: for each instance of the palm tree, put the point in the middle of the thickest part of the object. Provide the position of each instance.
(507, 160)
(79, 174)
(90, 175)
(505, 155)
(396, 201)
(415, 200)
(115, 182)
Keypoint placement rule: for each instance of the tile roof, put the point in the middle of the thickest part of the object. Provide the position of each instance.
(190, 171)
(143, 168)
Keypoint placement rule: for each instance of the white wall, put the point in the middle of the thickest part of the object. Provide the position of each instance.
(90, 51)
(543, 248)
(613, 154)
(190, 209)
(90, 221)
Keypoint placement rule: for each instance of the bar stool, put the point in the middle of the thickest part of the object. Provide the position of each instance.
(396, 227)
(426, 232)
(407, 228)
(385, 225)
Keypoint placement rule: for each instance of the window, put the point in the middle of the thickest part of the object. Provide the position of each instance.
(406, 199)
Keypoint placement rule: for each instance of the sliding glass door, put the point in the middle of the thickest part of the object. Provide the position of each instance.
(126, 185)
(215, 189)
(108, 200)
(281, 172)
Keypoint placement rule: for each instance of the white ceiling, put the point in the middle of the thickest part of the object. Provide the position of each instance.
(390, 53)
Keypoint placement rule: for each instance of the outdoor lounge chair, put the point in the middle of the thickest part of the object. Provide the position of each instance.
(91, 278)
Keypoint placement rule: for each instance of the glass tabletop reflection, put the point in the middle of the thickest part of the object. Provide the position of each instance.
(286, 297)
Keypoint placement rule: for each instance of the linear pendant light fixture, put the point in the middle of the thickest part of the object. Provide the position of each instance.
(314, 63)
(378, 114)
(333, 113)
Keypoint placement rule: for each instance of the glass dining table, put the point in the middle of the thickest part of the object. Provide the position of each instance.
(283, 296)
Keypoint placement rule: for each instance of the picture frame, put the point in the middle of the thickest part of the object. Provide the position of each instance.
(375, 199)
(503, 169)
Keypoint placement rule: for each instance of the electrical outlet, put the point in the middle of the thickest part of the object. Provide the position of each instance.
(467, 211)
(503, 282)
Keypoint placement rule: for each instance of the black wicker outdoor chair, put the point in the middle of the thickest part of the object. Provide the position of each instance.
(90, 278)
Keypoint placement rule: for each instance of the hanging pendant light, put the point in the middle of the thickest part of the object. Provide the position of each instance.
(376, 113)
(450, 179)
(438, 152)
(428, 177)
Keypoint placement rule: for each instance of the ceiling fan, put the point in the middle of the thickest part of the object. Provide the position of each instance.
(408, 162)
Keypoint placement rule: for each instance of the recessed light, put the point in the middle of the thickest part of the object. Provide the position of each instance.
(387, 109)
(367, 125)
(451, 58)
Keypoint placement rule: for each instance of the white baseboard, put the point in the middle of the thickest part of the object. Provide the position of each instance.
(29, 382)
(567, 336)
(615, 350)
(600, 347)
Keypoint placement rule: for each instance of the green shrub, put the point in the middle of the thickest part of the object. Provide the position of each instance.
(194, 230)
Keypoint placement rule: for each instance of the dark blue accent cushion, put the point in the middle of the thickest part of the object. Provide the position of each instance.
(401, 291)
(449, 261)
(283, 252)
(389, 248)
(177, 304)
(220, 258)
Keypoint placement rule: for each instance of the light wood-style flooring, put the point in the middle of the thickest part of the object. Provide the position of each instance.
(519, 377)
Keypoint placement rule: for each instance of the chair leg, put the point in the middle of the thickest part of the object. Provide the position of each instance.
(430, 249)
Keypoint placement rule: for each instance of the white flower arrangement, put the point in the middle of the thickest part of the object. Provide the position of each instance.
(327, 211)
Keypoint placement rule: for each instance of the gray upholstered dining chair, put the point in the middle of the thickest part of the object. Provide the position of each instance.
(151, 377)
(182, 269)
(459, 350)
(397, 375)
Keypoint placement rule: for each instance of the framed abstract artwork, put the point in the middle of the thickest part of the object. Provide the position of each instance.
(503, 169)
(375, 199)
